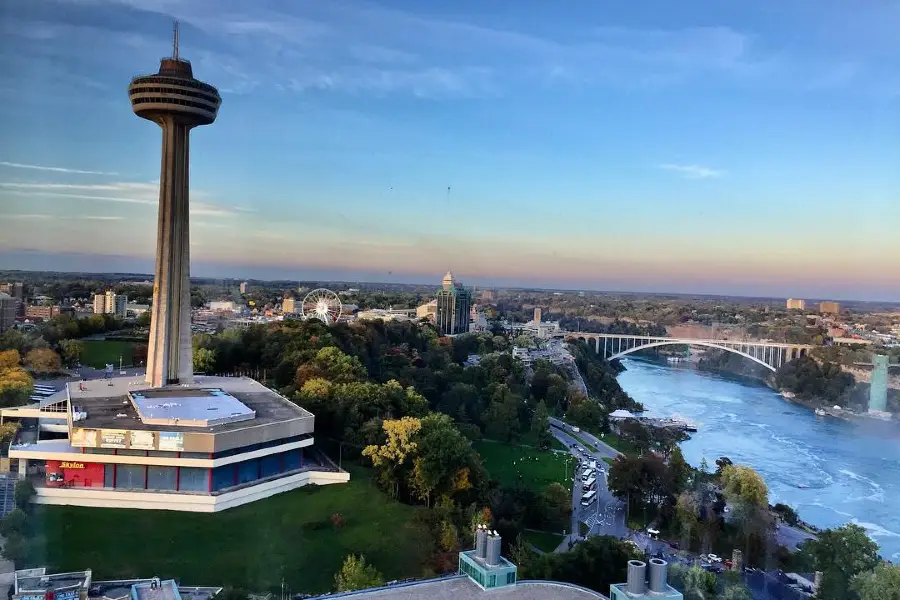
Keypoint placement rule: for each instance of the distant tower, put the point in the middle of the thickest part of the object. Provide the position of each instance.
(879, 384)
(176, 102)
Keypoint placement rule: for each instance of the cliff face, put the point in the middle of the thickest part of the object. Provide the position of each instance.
(865, 376)
(721, 361)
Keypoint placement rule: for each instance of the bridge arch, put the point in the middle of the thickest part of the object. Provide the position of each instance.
(691, 343)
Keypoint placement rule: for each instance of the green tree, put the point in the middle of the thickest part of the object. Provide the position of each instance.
(841, 554)
(540, 427)
(204, 360)
(699, 584)
(501, 419)
(557, 504)
(332, 364)
(355, 574)
(679, 470)
(736, 591)
(881, 584)
(23, 494)
(444, 461)
(71, 351)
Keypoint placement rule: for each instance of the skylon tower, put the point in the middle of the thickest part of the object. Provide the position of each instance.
(177, 102)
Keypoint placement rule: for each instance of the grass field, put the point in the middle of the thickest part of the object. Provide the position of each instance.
(253, 546)
(543, 540)
(99, 353)
(506, 463)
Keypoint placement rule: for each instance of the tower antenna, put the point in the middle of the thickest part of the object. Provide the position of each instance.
(175, 43)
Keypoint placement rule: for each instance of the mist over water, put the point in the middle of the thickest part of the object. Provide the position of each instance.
(831, 471)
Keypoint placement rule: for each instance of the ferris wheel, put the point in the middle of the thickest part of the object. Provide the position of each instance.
(323, 305)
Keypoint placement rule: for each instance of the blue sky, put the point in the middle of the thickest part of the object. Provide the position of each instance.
(722, 147)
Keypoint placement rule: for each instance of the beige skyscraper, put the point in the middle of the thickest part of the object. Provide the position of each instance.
(795, 304)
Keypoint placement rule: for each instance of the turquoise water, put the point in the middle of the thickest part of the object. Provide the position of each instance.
(831, 471)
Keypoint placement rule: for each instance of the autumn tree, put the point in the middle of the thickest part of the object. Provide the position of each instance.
(15, 382)
(43, 361)
(355, 574)
(746, 491)
(331, 364)
(204, 360)
(397, 451)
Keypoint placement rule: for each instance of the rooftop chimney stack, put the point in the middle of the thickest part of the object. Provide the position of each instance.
(493, 549)
(659, 571)
(636, 585)
(481, 535)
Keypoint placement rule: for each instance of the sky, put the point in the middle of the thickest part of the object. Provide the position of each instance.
(694, 146)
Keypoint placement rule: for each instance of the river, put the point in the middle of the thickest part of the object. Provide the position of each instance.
(849, 471)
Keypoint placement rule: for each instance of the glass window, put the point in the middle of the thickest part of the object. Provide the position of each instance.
(161, 478)
(270, 465)
(248, 471)
(192, 479)
(223, 477)
(130, 477)
(109, 475)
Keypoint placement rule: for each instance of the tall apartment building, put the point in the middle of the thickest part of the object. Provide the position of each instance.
(8, 306)
(110, 303)
(829, 307)
(795, 304)
(537, 315)
(454, 304)
(244, 287)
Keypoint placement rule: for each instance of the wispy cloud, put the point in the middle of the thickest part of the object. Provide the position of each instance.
(127, 192)
(27, 216)
(15, 165)
(692, 171)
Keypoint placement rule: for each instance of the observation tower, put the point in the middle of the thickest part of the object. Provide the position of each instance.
(177, 102)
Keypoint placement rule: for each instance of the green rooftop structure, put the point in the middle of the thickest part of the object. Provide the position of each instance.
(484, 565)
(636, 587)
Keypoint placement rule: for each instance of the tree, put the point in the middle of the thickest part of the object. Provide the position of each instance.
(445, 460)
(355, 574)
(744, 485)
(841, 554)
(15, 382)
(71, 351)
(23, 494)
(881, 584)
(736, 591)
(397, 450)
(699, 584)
(43, 361)
(204, 360)
(679, 470)
(230, 593)
(540, 427)
(332, 364)
(502, 416)
(595, 563)
(557, 504)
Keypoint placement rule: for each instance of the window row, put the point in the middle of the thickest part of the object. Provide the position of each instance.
(158, 90)
(151, 79)
(178, 101)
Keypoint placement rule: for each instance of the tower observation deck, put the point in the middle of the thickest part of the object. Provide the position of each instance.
(177, 102)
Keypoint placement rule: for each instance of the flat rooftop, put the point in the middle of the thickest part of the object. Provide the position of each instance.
(179, 407)
(108, 403)
(463, 588)
(165, 590)
(37, 580)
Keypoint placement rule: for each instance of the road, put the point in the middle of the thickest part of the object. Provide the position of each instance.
(606, 516)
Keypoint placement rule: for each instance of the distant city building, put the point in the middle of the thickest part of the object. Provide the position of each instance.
(427, 310)
(291, 306)
(537, 315)
(46, 312)
(879, 385)
(796, 304)
(222, 306)
(454, 303)
(386, 314)
(488, 295)
(110, 303)
(136, 310)
(829, 307)
(99, 304)
(244, 287)
(17, 291)
(8, 306)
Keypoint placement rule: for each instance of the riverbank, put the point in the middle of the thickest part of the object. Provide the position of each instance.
(831, 471)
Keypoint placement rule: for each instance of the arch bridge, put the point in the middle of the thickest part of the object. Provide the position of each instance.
(771, 355)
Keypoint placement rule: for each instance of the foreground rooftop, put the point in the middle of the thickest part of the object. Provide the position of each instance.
(460, 587)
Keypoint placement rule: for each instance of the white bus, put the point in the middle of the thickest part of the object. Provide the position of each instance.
(588, 498)
(589, 483)
(587, 474)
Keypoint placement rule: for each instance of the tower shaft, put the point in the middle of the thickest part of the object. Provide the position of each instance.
(169, 357)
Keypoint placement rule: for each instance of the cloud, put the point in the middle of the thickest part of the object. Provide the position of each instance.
(126, 192)
(27, 216)
(693, 171)
(54, 169)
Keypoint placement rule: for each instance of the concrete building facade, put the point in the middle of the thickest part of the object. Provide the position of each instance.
(8, 306)
(829, 307)
(177, 102)
(796, 304)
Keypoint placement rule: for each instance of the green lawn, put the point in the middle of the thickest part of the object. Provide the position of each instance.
(506, 463)
(99, 353)
(252, 546)
(543, 540)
